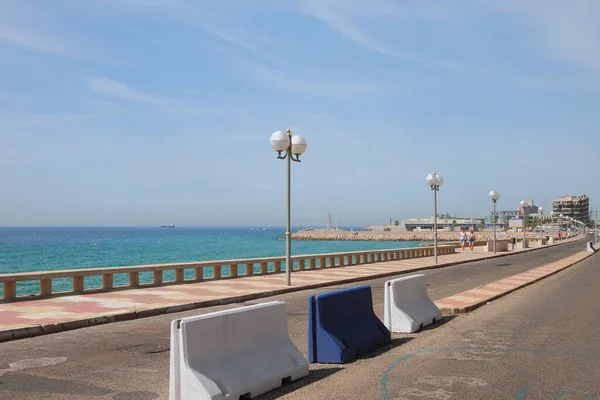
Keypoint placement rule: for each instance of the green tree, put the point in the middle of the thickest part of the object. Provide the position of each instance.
(481, 224)
(396, 223)
(453, 224)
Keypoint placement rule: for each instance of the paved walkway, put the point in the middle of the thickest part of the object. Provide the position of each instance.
(35, 317)
(471, 299)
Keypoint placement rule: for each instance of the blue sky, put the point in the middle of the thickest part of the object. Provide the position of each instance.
(146, 112)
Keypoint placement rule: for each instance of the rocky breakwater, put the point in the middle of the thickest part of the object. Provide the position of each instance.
(322, 234)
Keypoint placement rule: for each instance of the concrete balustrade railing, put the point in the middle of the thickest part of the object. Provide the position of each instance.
(252, 266)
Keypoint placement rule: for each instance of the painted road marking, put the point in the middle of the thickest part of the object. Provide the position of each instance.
(523, 392)
(32, 363)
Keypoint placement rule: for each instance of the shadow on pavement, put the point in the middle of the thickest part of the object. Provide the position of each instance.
(315, 375)
(377, 352)
(136, 396)
(25, 383)
(445, 319)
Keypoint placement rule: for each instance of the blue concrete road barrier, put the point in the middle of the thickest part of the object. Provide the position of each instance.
(229, 354)
(342, 326)
(407, 305)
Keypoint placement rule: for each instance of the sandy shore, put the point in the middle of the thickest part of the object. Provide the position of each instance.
(322, 234)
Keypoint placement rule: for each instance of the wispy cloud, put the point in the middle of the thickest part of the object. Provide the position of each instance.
(338, 14)
(24, 27)
(567, 31)
(319, 86)
(111, 88)
(39, 42)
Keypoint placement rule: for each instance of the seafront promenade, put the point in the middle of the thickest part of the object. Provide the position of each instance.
(130, 359)
(405, 236)
(27, 318)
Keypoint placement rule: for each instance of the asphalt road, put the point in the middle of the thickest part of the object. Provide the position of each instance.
(536, 342)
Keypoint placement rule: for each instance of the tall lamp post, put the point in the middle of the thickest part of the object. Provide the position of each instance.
(288, 147)
(552, 224)
(524, 224)
(494, 196)
(434, 181)
(541, 210)
(559, 226)
(594, 226)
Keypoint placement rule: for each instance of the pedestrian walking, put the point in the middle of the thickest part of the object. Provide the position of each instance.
(471, 239)
(463, 239)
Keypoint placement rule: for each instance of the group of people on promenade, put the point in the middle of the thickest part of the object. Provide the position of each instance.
(467, 236)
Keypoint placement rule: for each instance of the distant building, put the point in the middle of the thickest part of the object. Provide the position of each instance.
(577, 207)
(503, 216)
(443, 222)
(528, 208)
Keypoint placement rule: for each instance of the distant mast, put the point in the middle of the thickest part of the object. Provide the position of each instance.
(330, 225)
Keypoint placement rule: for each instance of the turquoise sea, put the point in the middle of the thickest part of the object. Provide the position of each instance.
(47, 249)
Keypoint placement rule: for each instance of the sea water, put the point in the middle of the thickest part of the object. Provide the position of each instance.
(50, 249)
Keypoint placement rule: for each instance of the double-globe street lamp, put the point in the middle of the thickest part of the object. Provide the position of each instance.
(494, 196)
(522, 203)
(434, 181)
(541, 211)
(552, 225)
(288, 147)
(560, 235)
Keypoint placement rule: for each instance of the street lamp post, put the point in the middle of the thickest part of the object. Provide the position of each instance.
(434, 181)
(552, 224)
(595, 228)
(524, 223)
(541, 210)
(559, 225)
(494, 196)
(288, 147)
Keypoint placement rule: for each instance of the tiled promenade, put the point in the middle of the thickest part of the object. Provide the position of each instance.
(471, 299)
(55, 314)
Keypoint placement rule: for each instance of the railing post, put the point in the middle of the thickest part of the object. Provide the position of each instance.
(134, 279)
(199, 274)
(313, 263)
(158, 277)
(331, 262)
(179, 275)
(277, 266)
(233, 270)
(322, 262)
(107, 281)
(264, 268)
(46, 287)
(249, 269)
(78, 284)
(216, 271)
(10, 290)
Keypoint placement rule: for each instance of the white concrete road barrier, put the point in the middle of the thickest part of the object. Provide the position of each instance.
(227, 354)
(407, 305)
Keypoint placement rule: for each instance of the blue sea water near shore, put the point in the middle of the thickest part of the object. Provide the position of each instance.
(49, 249)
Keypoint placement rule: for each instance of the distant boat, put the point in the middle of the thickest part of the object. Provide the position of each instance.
(168, 226)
